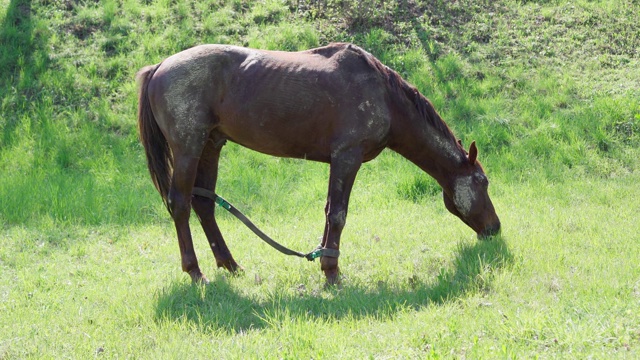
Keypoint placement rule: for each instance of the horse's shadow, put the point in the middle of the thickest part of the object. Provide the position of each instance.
(220, 307)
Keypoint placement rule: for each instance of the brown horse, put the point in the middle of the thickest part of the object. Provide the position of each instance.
(335, 104)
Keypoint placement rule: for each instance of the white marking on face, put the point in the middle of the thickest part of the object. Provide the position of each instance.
(463, 195)
(362, 106)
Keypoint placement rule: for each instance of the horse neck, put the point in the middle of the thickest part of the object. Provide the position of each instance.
(432, 148)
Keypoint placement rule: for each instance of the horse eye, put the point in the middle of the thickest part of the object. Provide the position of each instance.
(481, 179)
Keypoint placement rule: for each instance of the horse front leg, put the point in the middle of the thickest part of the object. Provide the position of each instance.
(343, 169)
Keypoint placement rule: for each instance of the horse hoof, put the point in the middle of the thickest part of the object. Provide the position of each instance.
(236, 270)
(231, 266)
(332, 284)
(333, 279)
(199, 278)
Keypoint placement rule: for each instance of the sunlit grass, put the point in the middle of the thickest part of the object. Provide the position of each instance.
(416, 283)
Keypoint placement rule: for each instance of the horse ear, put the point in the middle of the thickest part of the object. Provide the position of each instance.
(473, 153)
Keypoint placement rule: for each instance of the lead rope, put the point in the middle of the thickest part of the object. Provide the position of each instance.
(314, 254)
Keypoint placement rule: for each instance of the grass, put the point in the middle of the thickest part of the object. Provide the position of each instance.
(89, 265)
(556, 284)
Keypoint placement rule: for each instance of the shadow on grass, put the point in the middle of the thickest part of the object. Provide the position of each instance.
(220, 307)
(17, 59)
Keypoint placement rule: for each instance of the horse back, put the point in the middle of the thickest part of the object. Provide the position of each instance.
(294, 104)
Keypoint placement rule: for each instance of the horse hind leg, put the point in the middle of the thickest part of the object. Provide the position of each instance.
(179, 202)
(185, 120)
(187, 145)
(206, 178)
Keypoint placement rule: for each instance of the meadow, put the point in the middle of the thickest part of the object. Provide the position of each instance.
(550, 91)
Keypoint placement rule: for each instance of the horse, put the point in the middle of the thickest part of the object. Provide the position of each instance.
(335, 104)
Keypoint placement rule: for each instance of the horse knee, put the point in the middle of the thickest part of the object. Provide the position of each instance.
(178, 205)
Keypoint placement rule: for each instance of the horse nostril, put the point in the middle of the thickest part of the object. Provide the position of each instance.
(496, 229)
(489, 231)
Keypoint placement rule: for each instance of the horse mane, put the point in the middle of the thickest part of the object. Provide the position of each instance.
(403, 89)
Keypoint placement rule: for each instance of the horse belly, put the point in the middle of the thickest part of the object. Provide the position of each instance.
(290, 118)
(311, 132)
(301, 111)
(279, 132)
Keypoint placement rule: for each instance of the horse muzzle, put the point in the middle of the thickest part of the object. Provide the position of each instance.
(489, 231)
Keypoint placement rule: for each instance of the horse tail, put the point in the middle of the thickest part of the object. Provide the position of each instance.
(157, 150)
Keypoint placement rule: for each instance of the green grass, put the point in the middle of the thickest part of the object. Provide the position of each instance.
(89, 262)
(417, 284)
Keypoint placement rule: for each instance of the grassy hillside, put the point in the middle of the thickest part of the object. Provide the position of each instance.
(547, 89)
(550, 90)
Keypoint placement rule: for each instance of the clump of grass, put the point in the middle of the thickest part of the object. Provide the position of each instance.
(290, 37)
(418, 188)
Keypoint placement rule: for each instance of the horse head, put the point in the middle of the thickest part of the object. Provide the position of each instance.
(467, 197)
